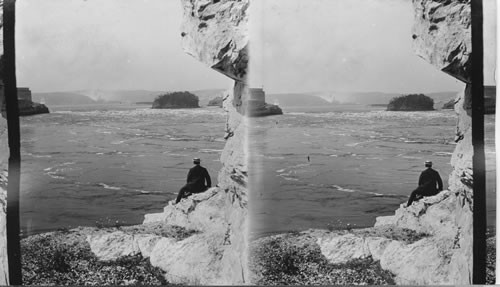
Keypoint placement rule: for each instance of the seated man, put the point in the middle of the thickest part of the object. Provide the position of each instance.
(195, 181)
(429, 184)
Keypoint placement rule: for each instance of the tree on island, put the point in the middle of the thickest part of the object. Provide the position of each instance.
(412, 102)
(176, 100)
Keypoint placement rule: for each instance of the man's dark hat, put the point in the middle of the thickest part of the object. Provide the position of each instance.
(196, 160)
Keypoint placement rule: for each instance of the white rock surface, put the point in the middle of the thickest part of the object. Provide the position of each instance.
(193, 261)
(442, 35)
(110, 246)
(4, 160)
(216, 33)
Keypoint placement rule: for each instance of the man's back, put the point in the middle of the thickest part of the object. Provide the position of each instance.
(197, 176)
(429, 178)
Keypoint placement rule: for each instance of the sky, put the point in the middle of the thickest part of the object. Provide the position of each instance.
(296, 46)
(66, 45)
(342, 45)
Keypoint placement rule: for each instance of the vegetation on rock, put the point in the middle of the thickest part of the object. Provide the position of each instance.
(405, 235)
(491, 260)
(176, 100)
(293, 259)
(412, 102)
(217, 101)
(65, 258)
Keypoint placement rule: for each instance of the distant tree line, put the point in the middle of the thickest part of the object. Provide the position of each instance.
(176, 100)
(412, 102)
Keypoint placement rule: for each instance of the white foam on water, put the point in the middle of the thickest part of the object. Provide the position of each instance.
(411, 157)
(100, 153)
(375, 193)
(109, 186)
(442, 153)
(358, 143)
(274, 157)
(301, 165)
(340, 188)
(208, 150)
(280, 170)
(52, 174)
(153, 191)
(288, 178)
(177, 154)
(118, 142)
(38, 156)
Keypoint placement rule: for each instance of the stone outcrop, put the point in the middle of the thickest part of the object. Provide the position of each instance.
(28, 108)
(4, 163)
(263, 110)
(216, 33)
(25, 103)
(450, 105)
(442, 35)
(217, 101)
(255, 104)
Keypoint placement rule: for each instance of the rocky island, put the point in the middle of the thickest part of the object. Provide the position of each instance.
(26, 105)
(176, 100)
(28, 108)
(256, 105)
(217, 101)
(413, 102)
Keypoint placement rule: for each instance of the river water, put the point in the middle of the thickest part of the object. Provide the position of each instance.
(322, 167)
(96, 165)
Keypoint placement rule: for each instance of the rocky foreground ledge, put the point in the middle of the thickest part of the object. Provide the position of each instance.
(419, 245)
(185, 244)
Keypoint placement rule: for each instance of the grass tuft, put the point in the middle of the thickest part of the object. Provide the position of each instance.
(64, 258)
(288, 260)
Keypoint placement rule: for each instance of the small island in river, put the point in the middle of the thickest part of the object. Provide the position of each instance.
(176, 100)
